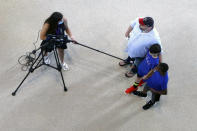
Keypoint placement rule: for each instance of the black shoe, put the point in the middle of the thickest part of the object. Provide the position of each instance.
(140, 94)
(148, 105)
(129, 74)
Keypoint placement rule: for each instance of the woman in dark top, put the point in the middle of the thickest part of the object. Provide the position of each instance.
(56, 24)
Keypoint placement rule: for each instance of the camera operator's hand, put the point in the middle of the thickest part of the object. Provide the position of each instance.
(73, 39)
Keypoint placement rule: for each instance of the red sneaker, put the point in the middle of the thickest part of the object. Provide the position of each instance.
(130, 90)
(141, 83)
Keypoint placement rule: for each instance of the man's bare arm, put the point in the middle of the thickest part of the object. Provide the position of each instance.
(128, 31)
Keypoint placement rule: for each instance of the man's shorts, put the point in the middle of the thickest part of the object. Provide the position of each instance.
(137, 61)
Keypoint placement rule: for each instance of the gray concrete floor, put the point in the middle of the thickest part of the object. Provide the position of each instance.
(95, 100)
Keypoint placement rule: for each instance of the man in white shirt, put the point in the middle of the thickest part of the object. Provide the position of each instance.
(142, 35)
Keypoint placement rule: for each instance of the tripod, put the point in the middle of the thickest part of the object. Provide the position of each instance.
(39, 61)
(54, 41)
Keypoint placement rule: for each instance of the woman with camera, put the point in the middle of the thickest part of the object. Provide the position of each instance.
(56, 24)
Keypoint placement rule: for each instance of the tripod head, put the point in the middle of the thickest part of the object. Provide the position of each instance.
(53, 41)
(58, 39)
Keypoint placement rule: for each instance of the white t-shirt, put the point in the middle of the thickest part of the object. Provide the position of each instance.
(139, 42)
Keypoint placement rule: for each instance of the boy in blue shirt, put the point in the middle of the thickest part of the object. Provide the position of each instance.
(156, 82)
(150, 62)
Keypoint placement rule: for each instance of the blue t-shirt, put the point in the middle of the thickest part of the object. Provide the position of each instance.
(157, 81)
(147, 64)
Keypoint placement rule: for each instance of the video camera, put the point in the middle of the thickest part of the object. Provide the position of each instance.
(54, 41)
(57, 39)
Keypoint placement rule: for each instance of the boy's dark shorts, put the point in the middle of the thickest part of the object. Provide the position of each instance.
(155, 96)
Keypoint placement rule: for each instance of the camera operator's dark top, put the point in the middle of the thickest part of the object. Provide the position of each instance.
(58, 31)
(59, 43)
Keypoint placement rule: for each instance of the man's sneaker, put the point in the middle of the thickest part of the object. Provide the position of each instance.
(47, 60)
(148, 105)
(130, 90)
(65, 66)
(139, 93)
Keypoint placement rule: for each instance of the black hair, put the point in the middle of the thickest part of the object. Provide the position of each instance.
(148, 21)
(163, 68)
(155, 48)
(53, 22)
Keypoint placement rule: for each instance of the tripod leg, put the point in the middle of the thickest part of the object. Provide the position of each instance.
(59, 67)
(14, 93)
(65, 89)
(30, 71)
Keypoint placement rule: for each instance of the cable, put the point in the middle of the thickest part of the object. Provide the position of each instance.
(27, 59)
(34, 43)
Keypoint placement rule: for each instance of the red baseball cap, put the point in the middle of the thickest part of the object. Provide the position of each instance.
(141, 21)
(148, 21)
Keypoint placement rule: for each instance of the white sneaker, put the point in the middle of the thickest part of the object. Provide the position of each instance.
(47, 60)
(65, 66)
